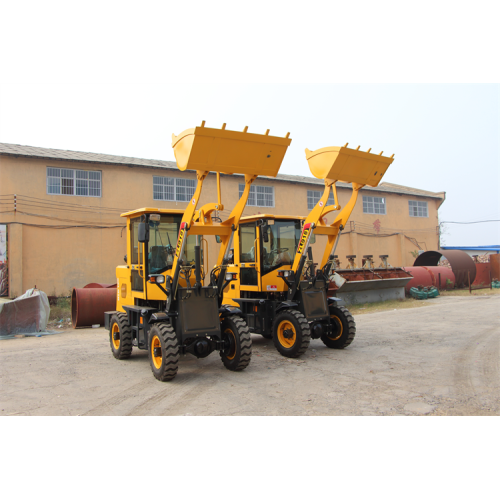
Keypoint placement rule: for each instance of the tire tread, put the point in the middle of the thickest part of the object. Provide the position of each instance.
(125, 349)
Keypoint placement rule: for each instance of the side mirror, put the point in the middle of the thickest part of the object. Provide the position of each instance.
(264, 227)
(218, 239)
(143, 233)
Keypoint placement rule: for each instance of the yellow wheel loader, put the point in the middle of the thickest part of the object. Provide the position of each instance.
(281, 294)
(163, 305)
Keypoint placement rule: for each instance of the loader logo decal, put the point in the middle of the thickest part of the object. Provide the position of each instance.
(182, 232)
(303, 237)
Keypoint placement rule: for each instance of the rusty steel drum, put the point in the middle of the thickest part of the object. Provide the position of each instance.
(88, 305)
(495, 266)
(439, 276)
(461, 263)
(100, 285)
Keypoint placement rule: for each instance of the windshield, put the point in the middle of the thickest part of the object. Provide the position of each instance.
(279, 250)
(163, 236)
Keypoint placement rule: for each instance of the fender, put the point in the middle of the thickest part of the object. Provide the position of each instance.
(287, 304)
(334, 300)
(226, 311)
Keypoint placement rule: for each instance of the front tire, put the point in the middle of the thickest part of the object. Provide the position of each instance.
(236, 336)
(291, 333)
(120, 336)
(163, 352)
(344, 328)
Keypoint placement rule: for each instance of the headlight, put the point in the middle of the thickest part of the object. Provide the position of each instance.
(285, 274)
(157, 278)
(230, 276)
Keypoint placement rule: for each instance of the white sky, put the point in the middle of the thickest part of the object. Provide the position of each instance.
(108, 78)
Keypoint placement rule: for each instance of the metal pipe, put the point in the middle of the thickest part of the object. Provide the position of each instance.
(88, 305)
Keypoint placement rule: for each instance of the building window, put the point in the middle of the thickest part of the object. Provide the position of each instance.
(418, 209)
(73, 182)
(173, 188)
(260, 196)
(314, 196)
(373, 205)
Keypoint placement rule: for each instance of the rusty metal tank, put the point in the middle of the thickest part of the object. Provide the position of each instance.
(88, 305)
(100, 285)
(461, 263)
(495, 266)
(439, 276)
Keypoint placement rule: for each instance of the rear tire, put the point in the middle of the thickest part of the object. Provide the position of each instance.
(236, 335)
(344, 328)
(291, 333)
(121, 346)
(163, 350)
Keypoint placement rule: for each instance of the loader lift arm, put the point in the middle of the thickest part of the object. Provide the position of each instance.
(334, 164)
(156, 310)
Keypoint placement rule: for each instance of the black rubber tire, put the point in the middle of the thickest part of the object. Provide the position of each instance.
(346, 328)
(237, 356)
(165, 366)
(302, 333)
(121, 349)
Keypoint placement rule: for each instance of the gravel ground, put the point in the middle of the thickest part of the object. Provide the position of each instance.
(442, 359)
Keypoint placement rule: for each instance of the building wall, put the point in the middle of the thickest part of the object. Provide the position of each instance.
(47, 251)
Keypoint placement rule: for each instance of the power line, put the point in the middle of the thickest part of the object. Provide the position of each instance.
(87, 226)
(475, 222)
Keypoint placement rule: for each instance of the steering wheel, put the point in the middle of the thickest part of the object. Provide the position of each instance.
(279, 250)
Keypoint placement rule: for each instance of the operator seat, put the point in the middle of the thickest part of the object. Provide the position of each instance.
(157, 258)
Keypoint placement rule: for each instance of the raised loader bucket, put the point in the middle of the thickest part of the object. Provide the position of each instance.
(348, 165)
(229, 152)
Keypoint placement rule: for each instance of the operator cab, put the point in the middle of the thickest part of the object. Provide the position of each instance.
(263, 245)
(163, 231)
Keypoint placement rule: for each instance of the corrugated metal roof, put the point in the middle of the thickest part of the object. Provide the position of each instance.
(79, 156)
(97, 158)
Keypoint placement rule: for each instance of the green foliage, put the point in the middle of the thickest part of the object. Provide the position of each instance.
(61, 310)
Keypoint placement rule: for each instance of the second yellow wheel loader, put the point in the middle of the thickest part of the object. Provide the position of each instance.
(281, 294)
(163, 305)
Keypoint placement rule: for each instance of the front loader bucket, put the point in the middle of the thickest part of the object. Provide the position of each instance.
(358, 286)
(348, 165)
(229, 152)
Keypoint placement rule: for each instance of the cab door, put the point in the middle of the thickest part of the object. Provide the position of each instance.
(137, 261)
(249, 254)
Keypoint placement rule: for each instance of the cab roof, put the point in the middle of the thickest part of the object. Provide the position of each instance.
(251, 218)
(142, 211)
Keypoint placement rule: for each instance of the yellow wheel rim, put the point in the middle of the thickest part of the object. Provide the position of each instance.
(115, 329)
(336, 319)
(282, 327)
(156, 359)
(232, 351)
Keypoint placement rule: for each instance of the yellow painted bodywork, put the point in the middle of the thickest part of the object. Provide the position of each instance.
(348, 165)
(331, 164)
(228, 151)
(204, 150)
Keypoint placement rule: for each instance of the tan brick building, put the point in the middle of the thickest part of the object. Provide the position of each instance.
(61, 211)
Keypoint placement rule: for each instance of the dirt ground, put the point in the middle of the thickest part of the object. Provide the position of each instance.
(441, 359)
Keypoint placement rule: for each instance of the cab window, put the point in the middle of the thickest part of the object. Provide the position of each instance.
(281, 246)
